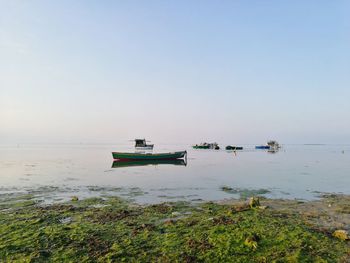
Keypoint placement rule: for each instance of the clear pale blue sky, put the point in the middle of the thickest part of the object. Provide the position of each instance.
(175, 71)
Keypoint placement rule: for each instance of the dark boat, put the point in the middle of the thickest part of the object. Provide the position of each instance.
(233, 148)
(148, 156)
(125, 163)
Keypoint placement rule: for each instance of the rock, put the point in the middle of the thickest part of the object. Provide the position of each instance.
(226, 188)
(341, 234)
(262, 207)
(74, 198)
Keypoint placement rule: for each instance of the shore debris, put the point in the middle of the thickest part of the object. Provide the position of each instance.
(254, 202)
(262, 207)
(252, 241)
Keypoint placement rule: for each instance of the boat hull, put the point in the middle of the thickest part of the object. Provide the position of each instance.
(148, 156)
(262, 147)
(201, 147)
(233, 148)
(207, 146)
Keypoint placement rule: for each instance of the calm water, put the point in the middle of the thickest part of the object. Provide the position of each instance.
(56, 172)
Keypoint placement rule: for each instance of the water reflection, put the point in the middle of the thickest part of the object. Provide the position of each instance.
(122, 163)
(273, 151)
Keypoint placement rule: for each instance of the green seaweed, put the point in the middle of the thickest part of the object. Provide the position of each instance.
(119, 230)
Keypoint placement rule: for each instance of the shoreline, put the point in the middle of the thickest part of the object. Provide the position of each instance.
(52, 194)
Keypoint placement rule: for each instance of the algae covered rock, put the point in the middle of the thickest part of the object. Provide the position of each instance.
(341, 234)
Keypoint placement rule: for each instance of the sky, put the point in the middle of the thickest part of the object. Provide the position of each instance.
(174, 71)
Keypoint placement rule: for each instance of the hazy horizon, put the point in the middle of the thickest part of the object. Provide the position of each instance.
(181, 71)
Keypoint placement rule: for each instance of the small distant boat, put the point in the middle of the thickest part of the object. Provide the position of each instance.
(148, 156)
(273, 145)
(233, 148)
(201, 146)
(205, 145)
(262, 147)
(140, 144)
(126, 163)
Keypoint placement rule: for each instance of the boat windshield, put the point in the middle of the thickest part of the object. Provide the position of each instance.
(140, 142)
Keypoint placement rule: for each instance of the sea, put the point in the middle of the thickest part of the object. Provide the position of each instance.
(56, 172)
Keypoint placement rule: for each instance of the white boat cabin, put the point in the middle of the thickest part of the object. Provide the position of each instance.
(141, 143)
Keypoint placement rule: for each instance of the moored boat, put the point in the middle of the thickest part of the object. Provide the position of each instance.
(233, 148)
(205, 145)
(148, 156)
(270, 145)
(262, 147)
(201, 146)
(273, 145)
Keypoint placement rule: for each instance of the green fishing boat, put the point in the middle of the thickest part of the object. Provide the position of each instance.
(205, 145)
(201, 146)
(126, 163)
(148, 156)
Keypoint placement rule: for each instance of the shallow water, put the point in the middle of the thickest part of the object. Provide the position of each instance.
(56, 172)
